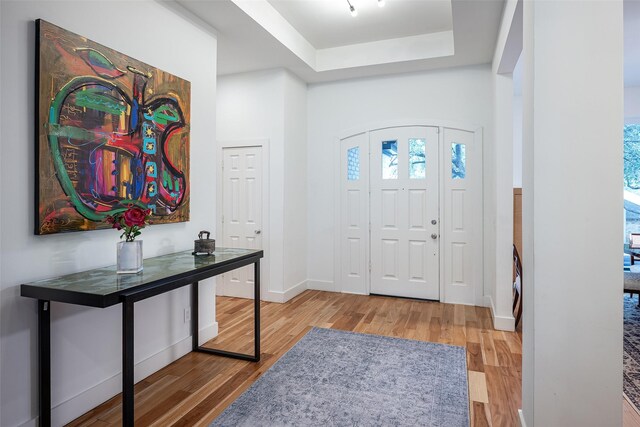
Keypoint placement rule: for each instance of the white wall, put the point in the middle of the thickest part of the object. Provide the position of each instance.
(572, 175)
(295, 186)
(632, 104)
(86, 342)
(460, 94)
(517, 141)
(250, 107)
(272, 105)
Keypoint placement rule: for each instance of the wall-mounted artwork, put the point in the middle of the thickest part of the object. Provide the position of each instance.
(111, 132)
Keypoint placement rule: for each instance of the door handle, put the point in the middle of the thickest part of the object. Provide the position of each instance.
(434, 236)
(258, 231)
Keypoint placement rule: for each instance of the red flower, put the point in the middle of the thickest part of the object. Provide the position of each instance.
(135, 216)
(130, 222)
(114, 223)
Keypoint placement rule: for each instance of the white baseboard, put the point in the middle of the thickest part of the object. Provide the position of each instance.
(501, 323)
(242, 291)
(31, 423)
(208, 333)
(71, 409)
(354, 293)
(271, 296)
(321, 285)
(523, 423)
(294, 291)
(504, 323)
(284, 296)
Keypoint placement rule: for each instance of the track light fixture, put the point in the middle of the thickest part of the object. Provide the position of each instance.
(352, 9)
(354, 12)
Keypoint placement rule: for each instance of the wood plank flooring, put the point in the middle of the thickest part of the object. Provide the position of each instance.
(630, 416)
(193, 390)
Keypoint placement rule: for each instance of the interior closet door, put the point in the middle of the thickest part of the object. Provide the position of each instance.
(404, 212)
(241, 213)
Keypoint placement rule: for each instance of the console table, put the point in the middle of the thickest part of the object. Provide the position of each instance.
(103, 287)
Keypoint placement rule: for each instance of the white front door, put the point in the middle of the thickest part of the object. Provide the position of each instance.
(241, 213)
(404, 212)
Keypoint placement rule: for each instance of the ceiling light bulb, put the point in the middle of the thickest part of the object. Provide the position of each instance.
(353, 10)
(381, 3)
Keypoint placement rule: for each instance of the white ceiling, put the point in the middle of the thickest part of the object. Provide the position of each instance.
(245, 45)
(328, 23)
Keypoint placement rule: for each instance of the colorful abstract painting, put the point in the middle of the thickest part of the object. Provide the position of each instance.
(111, 132)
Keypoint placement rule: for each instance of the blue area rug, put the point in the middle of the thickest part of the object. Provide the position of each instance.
(631, 354)
(337, 378)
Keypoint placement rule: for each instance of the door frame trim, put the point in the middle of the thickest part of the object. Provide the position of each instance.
(477, 130)
(263, 143)
(383, 124)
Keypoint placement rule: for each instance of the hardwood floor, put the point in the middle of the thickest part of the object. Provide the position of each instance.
(630, 417)
(196, 388)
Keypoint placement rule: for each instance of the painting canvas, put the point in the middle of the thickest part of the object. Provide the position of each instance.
(111, 132)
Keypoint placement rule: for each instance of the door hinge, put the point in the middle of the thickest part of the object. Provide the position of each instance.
(223, 219)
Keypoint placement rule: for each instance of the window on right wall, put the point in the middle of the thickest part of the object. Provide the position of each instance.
(631, 179)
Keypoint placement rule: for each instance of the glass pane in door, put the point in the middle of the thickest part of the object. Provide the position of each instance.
(353, 164)
(389, 159)
(417, 158)
(458, 161)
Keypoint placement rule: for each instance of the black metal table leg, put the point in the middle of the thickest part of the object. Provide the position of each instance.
(194, 316)
(256, 309)
(256, 323)
(44, 361)
(127, 363)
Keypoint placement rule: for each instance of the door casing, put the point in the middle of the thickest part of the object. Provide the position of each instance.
(478, 229)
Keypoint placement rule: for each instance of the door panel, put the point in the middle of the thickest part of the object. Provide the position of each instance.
(241, 213)
(462, 223)
(404, 212)
(354, 214)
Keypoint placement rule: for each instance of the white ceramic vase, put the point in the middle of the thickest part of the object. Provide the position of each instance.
(130, 257)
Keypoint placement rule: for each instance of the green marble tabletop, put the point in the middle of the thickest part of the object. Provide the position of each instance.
(102, 286)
